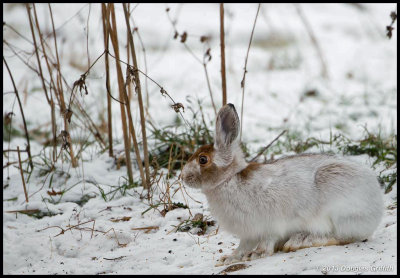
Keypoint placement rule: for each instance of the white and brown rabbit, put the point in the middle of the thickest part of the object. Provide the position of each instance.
(295, 202)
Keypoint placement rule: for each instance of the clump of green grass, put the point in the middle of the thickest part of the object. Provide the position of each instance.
(293, 141)
(173, 145)
(382, 149)
(198, 221)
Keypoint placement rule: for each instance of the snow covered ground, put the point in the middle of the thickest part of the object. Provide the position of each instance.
(284, 90)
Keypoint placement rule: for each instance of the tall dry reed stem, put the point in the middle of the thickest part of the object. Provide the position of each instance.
(74, 162)
(109, 111)
(36, 52)
(122, 92)
(52, 106)
(139, 92)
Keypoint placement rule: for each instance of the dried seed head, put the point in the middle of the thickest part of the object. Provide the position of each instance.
(389, 30)
(183, 37)
(208, 54)
(163, 92)
(204, 38)
(81, 84)
(178, 106)
(393, 16)
(7, 118)
(68, 115)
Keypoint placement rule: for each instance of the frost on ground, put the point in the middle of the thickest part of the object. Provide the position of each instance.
(95, 227)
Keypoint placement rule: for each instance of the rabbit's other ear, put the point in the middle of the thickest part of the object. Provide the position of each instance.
(227, 126)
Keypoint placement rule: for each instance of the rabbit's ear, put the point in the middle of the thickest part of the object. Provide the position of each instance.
(227, 126)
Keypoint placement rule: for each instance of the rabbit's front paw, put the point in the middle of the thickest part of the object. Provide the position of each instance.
(241, 257)
(256, 254)
(230, 259)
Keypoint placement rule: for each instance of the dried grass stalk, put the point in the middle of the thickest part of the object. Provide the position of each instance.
(139, 92)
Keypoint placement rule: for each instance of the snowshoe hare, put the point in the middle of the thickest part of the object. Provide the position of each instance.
(295, 202)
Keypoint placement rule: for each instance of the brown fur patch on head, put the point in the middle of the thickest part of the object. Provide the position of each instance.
(251, 168)
(208, 149)
(210, 173)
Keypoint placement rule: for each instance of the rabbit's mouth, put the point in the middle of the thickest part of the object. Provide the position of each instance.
(190, 180)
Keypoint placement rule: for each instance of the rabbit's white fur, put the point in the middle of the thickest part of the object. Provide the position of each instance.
(296, 201)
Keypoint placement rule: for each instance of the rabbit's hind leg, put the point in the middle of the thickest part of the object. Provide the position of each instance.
(305, 240)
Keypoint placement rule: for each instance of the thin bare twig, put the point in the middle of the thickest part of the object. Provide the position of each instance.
(162, 90)
(28, 147)
(145, 61)
(36, 51)
(53, 119)
(267, 147)
(203, 63)
(390, 28)
(222, 35)
(245, 70)
(87, 35)
(324, 70)
(22, 175)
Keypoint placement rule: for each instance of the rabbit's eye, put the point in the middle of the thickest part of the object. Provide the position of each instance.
(203, 159)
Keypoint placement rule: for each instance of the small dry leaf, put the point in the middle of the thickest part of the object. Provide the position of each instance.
(146, 229)
(7, 118)
(234, 267)
(68, 115)
(183, 37)
(204, 38)
(208, 54)
(167, 9)
(176, 35)
(53, 193)
(81, 84)
(125, 218)
(389, 30)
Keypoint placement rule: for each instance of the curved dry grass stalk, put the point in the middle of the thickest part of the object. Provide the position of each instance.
(243, 83)
(222, 38)
(310, 32)
(28, 147)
